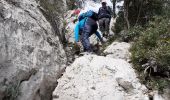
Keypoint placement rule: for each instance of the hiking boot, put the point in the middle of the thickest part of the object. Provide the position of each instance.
(86, 53)
(104, 34)
(107, 34)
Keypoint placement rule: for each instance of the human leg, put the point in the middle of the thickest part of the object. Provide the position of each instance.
(107, 25)
(101, 26)
(85, 38)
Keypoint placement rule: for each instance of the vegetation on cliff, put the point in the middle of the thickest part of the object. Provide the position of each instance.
(147, 25)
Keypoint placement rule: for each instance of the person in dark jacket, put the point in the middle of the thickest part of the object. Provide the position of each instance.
(85, 28)
(104, 15)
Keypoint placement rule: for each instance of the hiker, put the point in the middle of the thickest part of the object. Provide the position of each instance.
(86, 26)
(104, 15)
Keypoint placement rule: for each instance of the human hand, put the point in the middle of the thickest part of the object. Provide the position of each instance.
(78, 43)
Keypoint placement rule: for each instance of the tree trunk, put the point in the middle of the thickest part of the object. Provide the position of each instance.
(126, 13)
(114, 5)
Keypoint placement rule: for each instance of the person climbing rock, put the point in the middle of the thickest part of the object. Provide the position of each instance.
(86, 26)
(104, 15)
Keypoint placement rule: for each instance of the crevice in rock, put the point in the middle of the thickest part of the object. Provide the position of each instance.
(13, 87)
(13, 2)
(55, 18)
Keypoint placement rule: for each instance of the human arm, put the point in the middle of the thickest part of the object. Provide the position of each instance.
(99, 36)
(98, 13)
(76, 32)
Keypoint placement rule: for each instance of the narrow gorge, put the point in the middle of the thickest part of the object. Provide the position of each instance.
(38, 60)
(31, 56)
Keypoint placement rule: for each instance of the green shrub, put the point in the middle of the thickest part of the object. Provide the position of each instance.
(160, 84)
(12, 91)
(153, 48)
(154, 42)
(132, 34)
(70, 4)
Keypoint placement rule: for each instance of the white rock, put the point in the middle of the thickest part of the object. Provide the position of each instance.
(94, 77)
(157, 96)
(118, 50)
(31, 56)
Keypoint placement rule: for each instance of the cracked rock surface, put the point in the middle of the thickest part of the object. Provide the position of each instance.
(93, 77)
(31, 56)
(118, 50)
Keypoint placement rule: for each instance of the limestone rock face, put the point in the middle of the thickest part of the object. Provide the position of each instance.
(93, 77)
(118, 50)
(54, 11)
(31, 55)
(164, 96)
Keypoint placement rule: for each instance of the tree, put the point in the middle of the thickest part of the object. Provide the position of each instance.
(126, 13)
(114, 5)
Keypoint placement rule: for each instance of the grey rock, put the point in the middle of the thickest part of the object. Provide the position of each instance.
(164, 96)
(31, 55)
(93, 77)
(127, 86)
(119, 50)
(2, 92)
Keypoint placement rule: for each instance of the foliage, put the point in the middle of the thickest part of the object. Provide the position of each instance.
(52, 7)
(154, 41)
(160, 84)
(143, 10)
(132, 34)
(153, 48)
(138, 13)
(54, 12)
(12, 91)
(70, 4)
(139, 18)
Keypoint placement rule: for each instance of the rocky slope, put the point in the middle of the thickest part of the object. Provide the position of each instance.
(31, 55)
(32, 58)
(109, 77)
(93, 77)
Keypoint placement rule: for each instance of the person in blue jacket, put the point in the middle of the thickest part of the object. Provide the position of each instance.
(84, 29)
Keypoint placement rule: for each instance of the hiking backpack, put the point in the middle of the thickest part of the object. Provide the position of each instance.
(89, 13)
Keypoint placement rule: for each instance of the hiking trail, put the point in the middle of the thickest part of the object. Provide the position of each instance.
(106, 76)
(35, 63)
(94, 77)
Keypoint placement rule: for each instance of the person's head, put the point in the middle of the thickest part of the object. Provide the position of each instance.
(104, 3)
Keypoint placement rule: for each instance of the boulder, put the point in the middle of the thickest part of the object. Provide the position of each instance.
(119, 50)
(31, 55)
(93, 77)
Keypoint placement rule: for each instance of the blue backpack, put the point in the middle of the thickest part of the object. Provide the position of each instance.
(89, 13)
